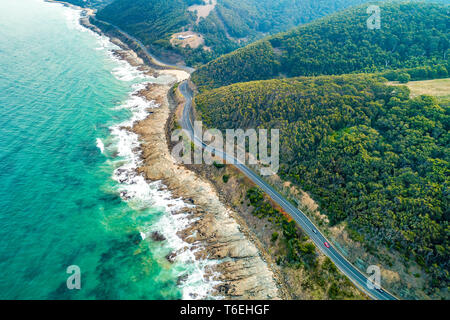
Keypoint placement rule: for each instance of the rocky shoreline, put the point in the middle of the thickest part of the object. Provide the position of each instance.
(213, 233)
(217, 236)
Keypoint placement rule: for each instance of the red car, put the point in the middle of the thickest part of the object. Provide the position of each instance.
(326, 244)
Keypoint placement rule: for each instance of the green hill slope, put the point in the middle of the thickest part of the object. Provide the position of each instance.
(368, 154)
(232, 23)
(411, 34)
(149, 21)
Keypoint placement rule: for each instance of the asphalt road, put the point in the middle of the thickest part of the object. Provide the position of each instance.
(356, 276)
(150, 56)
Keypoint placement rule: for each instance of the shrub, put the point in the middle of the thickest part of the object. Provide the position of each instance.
(404, 77)
(218, 165)
(274, 236)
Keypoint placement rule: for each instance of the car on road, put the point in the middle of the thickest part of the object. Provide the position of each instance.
(326, 244)
(314, 230)
(380, 290)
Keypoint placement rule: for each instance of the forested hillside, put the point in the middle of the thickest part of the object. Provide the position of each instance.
(412, 34)
(368, 154)
(90, 3)
(150, 21)
(232, 24)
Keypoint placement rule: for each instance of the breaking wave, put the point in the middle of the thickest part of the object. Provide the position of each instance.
(123, 147)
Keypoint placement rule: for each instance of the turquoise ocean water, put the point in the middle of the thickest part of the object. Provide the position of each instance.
(67, 192)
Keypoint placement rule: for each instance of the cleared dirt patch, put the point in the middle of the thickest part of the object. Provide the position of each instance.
(437, 87)
(203, 10)
(187, 38)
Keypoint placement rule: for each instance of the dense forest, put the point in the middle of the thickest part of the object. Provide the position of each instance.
(411, 35)
(232, 24)
(295, 250)
(91, 3)
(368, 154)
(428, 72)
(150, 21)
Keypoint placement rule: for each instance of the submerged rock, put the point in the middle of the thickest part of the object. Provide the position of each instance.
(135, 238)
(181, 279)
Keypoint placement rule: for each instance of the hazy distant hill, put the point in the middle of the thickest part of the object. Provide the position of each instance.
(90, 3)
(232, 23)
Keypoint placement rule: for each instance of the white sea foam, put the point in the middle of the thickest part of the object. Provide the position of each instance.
(100, 145)
(126, 72)
(73, 19)
(73, 22)
(103, 42)
(141, 194)
(195, 285)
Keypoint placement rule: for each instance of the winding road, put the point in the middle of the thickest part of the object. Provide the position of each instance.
(356, 276)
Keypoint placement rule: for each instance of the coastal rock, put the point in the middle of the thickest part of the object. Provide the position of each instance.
(156, 236)
(217, 235)
(171, 257)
